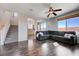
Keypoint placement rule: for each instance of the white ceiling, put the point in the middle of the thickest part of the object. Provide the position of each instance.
(38, 9)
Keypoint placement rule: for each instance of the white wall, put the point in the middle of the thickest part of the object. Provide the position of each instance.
(4, 33)
(52, 24)
(5, 20)
(14, 19)
(22, 29)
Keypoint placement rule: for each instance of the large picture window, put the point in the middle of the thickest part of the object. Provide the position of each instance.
(71, 24)
(62, 25)
(43, 26)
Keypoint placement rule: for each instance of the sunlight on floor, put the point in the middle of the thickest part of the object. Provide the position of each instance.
(30, 44)
(44, 49)
(55, 44)
(63, 51)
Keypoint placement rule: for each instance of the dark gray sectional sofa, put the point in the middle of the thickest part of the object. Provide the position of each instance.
(57, 36)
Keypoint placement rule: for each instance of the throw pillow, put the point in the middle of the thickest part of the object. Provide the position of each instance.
(68, 35)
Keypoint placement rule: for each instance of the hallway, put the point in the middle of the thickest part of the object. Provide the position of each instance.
(12, 35)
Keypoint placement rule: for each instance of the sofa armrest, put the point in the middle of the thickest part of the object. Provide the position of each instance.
(74, 39)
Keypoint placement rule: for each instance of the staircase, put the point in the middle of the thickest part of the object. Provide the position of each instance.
(12, 35)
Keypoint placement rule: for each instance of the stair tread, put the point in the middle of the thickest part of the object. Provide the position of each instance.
(12, 35)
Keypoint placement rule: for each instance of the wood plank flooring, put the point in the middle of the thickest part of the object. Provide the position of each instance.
(33, 47)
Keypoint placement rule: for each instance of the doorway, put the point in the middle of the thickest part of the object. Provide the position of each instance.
(31, 28)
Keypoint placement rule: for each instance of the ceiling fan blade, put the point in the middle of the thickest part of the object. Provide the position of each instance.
(48, 15)
(55, 14)
(58, 10)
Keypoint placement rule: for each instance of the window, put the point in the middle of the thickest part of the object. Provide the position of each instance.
(71, 24)
(30, 26)
(62, 25)
(43, 25)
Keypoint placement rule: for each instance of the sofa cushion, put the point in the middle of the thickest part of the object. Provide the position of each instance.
(68, 35)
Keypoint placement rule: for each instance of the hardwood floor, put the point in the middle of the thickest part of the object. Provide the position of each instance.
(33, 47)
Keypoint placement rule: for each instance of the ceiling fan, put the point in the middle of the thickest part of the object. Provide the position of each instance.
(52, 11)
